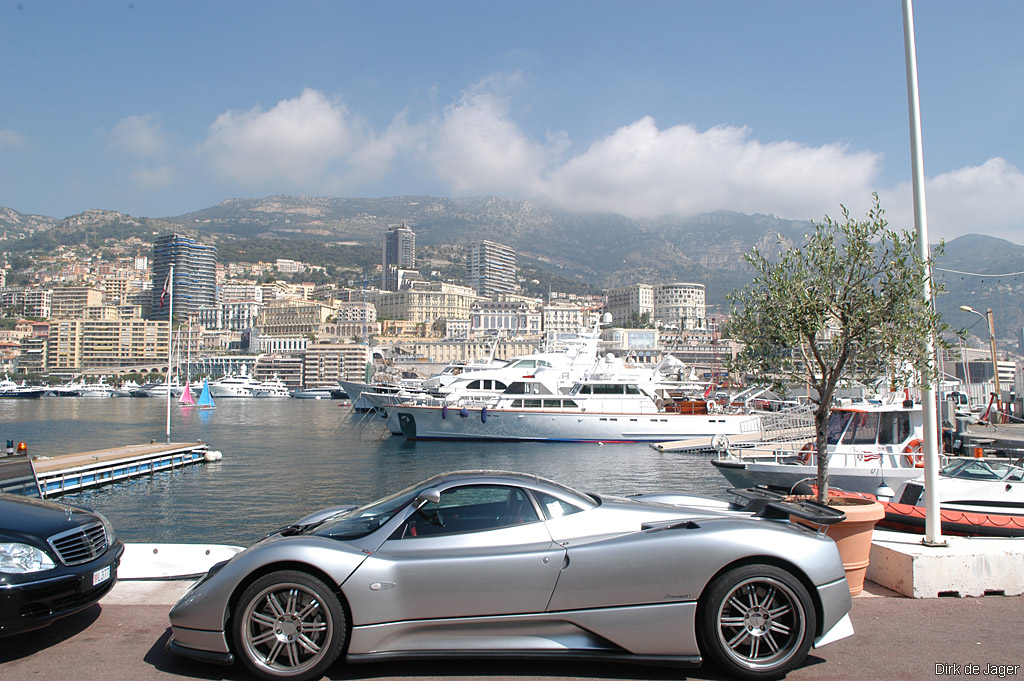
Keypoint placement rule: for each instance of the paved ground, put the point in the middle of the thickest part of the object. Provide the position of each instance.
(897, 639)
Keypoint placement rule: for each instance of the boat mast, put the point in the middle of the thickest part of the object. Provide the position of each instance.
(170, 346)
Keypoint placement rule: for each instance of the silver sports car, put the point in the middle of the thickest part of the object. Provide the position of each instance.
(487, 564)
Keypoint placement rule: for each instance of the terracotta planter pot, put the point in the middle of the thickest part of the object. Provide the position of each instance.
(853, 536)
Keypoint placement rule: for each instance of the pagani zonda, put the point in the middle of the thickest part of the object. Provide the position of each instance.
(485, 564)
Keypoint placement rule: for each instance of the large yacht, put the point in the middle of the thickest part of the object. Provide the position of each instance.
(593, 410)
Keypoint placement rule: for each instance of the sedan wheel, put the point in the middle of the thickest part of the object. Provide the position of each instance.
(757, 622)
(289, 625)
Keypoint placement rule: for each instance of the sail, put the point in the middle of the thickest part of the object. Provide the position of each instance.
(186, 398)
(205, 398)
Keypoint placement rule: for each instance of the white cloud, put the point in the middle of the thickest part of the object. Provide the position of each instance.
(10, 138)
(315, 144)
(479, 149)
(986, 199)
(294, 142)
(139, 135)
(642, 171)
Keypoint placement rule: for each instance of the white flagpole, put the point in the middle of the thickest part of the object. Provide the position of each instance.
(170, 346)
(932, 520)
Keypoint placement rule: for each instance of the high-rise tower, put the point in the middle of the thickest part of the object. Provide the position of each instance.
(195, 274)
(399, 254)
(490, 268)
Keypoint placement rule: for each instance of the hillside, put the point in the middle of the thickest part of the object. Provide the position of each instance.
(594, 250)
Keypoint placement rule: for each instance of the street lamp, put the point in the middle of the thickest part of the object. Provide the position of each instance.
(992, 341)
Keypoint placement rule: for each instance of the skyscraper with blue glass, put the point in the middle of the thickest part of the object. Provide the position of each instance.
(195, 275)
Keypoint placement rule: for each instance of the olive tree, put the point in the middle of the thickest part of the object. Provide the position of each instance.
(845, 305)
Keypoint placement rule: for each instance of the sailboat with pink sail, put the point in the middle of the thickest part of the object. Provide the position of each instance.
(186, 399)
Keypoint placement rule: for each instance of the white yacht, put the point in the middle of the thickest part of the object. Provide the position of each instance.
(593, 410)
(275, 387)
(235, 385)
(99, 389)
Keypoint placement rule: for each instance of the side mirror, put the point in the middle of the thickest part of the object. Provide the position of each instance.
(431, 495)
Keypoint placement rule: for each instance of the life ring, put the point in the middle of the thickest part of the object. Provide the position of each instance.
(806, 453)
(712, 406)
(912, 454)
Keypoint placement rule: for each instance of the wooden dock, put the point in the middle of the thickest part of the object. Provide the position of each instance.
(73, 472)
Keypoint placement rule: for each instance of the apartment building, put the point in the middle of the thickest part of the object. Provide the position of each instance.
(490, 268)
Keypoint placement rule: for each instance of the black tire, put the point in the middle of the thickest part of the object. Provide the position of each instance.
(289, 625)
(756, 622)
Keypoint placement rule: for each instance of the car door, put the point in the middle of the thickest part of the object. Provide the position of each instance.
(481, 550)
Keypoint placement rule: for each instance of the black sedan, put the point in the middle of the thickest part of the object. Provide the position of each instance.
(55, 560)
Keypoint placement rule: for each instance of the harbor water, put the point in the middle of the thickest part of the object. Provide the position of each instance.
(284, 458)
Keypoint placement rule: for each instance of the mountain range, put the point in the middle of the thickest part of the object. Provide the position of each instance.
(598, 250)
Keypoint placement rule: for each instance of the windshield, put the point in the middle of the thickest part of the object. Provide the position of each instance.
(366, 519)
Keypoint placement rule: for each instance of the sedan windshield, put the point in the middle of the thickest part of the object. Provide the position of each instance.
(366, 519)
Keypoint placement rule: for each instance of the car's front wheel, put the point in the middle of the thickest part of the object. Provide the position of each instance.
(757, 622)
(289, 625)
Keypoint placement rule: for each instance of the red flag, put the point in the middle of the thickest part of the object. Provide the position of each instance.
(166, 288)
(707, 393)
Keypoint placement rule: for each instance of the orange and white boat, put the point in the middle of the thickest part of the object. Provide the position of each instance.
(977, 497)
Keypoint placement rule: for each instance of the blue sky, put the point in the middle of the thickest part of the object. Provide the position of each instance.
(645, 108)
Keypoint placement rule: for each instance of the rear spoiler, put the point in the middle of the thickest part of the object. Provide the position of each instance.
(772, 505)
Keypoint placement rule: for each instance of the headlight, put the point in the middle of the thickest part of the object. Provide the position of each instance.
(108, 528)
(21, 558)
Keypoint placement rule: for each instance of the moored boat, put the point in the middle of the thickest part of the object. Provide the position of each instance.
(977, 497)
(868, 443)
(275, 387)
(11, 390)
(591, 411)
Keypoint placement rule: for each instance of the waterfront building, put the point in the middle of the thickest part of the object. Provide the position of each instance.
(564, 318)
(281, 345)
(293, 317)
(629, 304)
(31, 357)
(426, 302)
(195, 275)
(680, 306)
(325, 363)
(505, 318)
(83, 345)
(490, 268)
(69, 302)
(284, 366)
(399, 253)
(234, 315)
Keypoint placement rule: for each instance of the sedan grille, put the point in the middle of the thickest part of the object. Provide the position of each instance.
(79, 545)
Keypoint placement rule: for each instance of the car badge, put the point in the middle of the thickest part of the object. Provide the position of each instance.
(68, 512)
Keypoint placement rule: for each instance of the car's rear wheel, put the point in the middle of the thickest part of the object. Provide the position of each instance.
(757, 622)
(289, 625)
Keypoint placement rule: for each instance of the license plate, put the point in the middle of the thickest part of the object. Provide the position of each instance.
(101, 576)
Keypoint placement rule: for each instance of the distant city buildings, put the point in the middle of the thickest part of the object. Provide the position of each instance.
(680, 306)
(195, 275)
(399, 255)
(490, 268)
(631, 304)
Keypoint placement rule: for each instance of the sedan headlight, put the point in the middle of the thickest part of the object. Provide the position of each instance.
(108, 528)
(16, 558)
